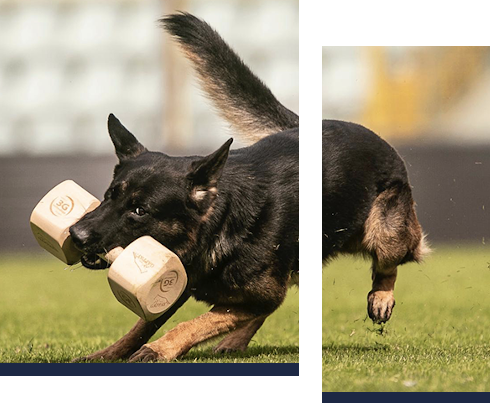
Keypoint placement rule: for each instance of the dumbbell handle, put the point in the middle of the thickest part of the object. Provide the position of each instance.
(112, 255)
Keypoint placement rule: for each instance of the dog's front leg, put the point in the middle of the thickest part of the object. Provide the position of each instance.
(381, 300)
(186, 335)
(139, 334)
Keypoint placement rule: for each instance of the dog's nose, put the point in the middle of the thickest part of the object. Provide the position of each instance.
(79, 235)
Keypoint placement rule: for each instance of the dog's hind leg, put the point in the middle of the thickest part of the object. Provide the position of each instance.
(381, 300)
(239, 339)
(392, 236)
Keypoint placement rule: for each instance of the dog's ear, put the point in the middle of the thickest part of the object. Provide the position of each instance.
(127, 146)
(204, 173)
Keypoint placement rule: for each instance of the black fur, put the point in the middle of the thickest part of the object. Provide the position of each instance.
(357, 166)
(368, 208)
(232, 216)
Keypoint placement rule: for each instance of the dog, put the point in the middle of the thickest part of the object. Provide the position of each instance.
(368, 208)
(231, 216)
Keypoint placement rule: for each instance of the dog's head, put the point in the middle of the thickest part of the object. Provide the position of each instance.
(151, 194)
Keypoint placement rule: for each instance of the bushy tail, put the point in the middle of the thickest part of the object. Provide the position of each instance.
(239, 95)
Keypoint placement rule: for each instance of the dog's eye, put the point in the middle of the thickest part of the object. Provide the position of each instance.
(140, 211)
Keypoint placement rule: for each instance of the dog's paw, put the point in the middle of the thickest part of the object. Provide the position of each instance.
(145, 354)
(380, 305)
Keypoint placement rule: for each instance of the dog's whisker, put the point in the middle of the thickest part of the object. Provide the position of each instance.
(106, 262)
(74, 267)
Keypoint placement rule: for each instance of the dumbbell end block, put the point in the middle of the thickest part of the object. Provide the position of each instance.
(147, 278)
(61, 247)
(52, 217)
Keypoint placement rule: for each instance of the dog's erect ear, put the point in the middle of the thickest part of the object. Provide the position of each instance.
(126, 144)
(205, 172)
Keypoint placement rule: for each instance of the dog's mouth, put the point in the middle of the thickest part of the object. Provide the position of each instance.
(94, 262)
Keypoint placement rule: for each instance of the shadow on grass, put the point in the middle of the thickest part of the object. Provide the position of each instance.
(251, 352)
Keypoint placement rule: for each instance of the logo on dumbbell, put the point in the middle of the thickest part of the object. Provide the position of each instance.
(159, 303)
(169, 281)
(142, 262)
(61, 206)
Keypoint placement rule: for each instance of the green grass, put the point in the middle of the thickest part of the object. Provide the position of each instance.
(49, 314)
(437, 339)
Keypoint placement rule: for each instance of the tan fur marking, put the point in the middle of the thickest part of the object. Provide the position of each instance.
(186, 335)
(381, 300)
(392, 235)
(243, 122)
(390, 231)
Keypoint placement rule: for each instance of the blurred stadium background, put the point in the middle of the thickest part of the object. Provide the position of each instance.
(66, 64)
(431, 103)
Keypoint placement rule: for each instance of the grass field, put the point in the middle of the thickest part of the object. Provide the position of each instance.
(437, 340)
(49, 314)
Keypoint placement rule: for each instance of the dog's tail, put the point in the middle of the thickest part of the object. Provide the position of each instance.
(239, 95)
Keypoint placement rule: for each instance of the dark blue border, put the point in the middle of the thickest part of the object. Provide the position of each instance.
(405, 397)
(183, 369)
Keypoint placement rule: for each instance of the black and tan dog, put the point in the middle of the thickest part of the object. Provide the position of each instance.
(231, 217)
(368, 208)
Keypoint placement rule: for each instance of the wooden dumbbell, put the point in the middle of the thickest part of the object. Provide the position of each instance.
(53, 216)
(146, 277)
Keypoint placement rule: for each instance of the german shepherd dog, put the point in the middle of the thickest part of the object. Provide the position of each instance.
(368, 208)
(231, 216)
